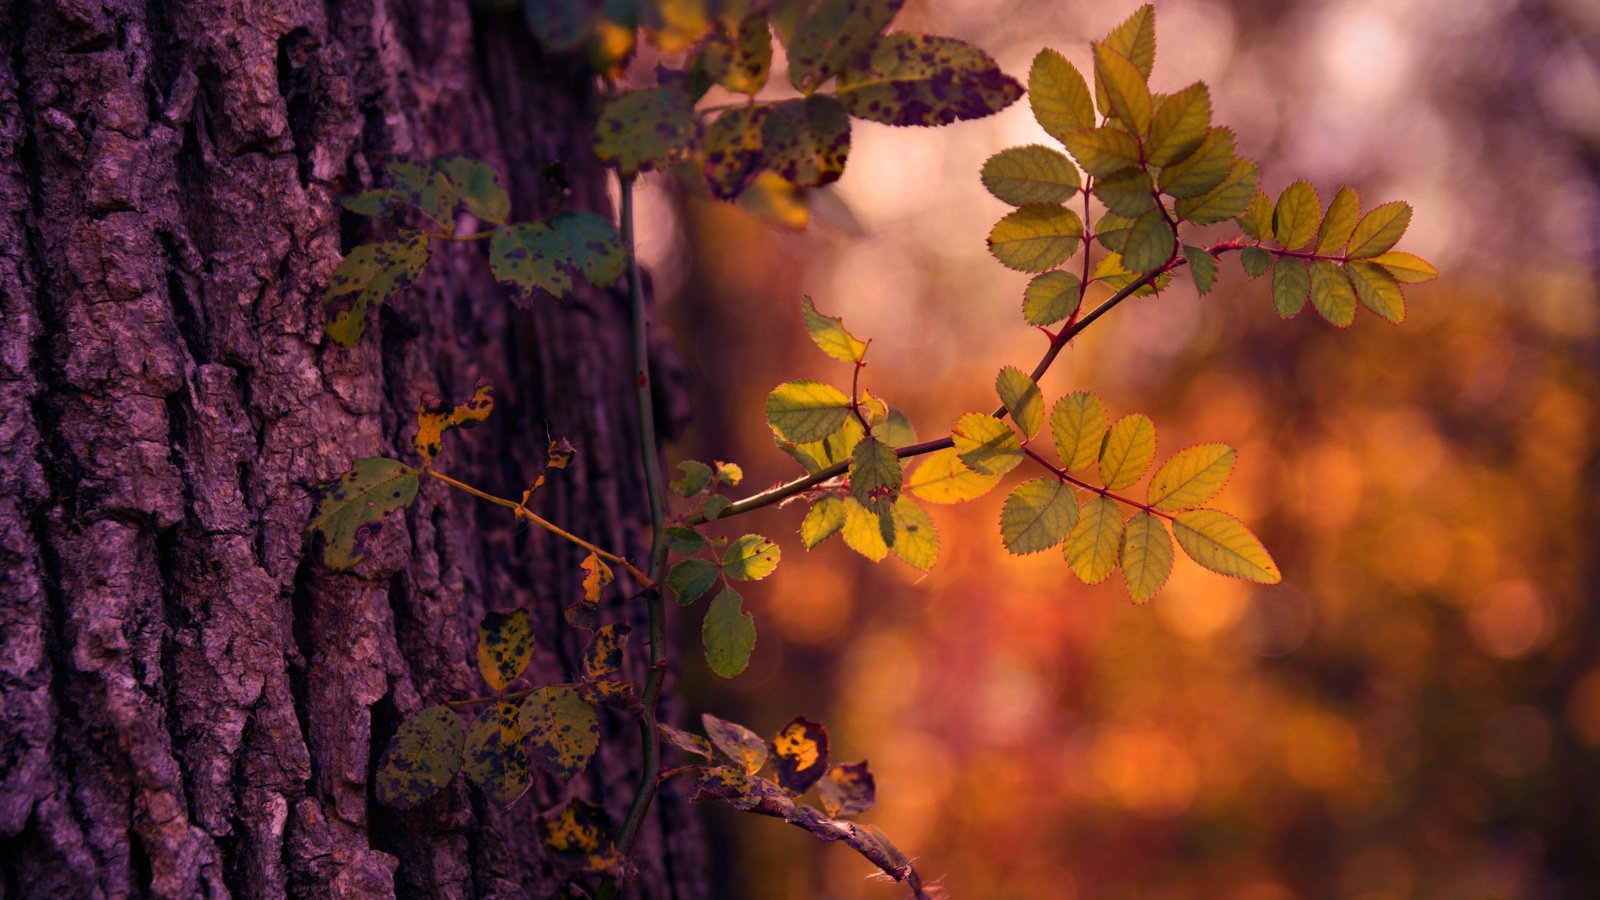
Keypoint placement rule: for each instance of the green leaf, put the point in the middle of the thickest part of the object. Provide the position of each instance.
(1191, 477)
(1096, 540)
(603, 656)
(800, 754)
(733, 150)
(690, 578)
(828, 333)
(1032, 174)
(1059, 96)
(1179, 125)
(1124, 88)
(377, 202)
(479, 186)
(351, 509)
(986, 444)
(914, 79)
(374, 273)
(1021, 398)
(847, 790)
(1225, 201)
(942, 478)
(696, 475)
(1332, 294)
(1150, 242)
(807, 140)
(428, 190)
(505, 647)
(683, 540)
(1038, 515)
(1078, 424)
(1291, 284)
(1051, 297)
(1297, 215)
(495, 757)
(736, 742)
(741, 62)
(1255, 261)
(806, 411)
(875, 475)
(832, 35)
(1377, 290)
(896, 430)
(422, 757)
(1035, 238)
(1407, 268)
(435, 417)
(729, 634)
(529, 255)
(865, 532)
(593, 246)
(823, 519)
(750, 558)
(1128, 192)
(1129, 448)
(1101, 151)
(834, 449)
(1135, 38)
(562, 730)
(916, 540)
(1257, 219)
(1222, 544)
(1203, 265)
(646, 129)
(1339, 222)
(1202, 170)
(1112, 232)
(1146, 555)
(1379, 230)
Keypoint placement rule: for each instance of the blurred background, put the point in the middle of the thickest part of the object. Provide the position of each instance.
(1415, 711)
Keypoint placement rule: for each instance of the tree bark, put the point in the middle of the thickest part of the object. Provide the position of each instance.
(192, 705)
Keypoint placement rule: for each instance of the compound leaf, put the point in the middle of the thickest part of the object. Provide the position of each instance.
(1038, 515)
(690, 742)
(596, 575)
(427, 189)
(563, 731)
(1124, 88)
(1225, 201)
(1135, 38)
(833, 35)
(1257, 219)
(1200, 171)
(733, 151)
(1101, 151)
(1150, 242)
(1203, 265)
(729, 634)
(865, 532)
(422, 757)
(1224, 545)
(1254, 260)
(875, 475)
(579, 836)
(1128, 192)
(356, 505)
(1407, 268)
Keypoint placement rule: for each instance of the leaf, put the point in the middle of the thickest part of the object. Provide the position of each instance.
(1124, 88)
(942, 478)
(689, 742)
(1339, 223)
(479, 186)
(505, 647)
(1191, 477)
(1150, 242)
(1135, 38)
(351, 509)
(1129, 448)
(1377, 290)
(729, 473)
(1022, 399)
(822, 521)
(1407, 268)
(875, 475)
(696, 475)
(422, 757)
(1078, 424)
(1095, 542)
(603, 656)
(729, 634)
(672, 25)
(646, 129)
(733, 150)
(1291, 284)
(1225, 201)
(1257, 218)
(800, 754)
(772, 199)
(579, 836)
(374, 273)
(1332, 294)
(916, 540)
(833, 35)
(377, 202)
(807, 140)
(690, 578)
(1032, 174)
(1038, 515)
(1109, 272)
(896, 430)
(1051, 297)
(1379, 230)
(829, 334)
(427, 189)
(806, 411)
(865, 532)
(1202, 170)
(835, 448)
(562, 730)
(435, 417)
(1146, 555)
(1255, 261)
(615, 694)
(1035, 238)
(529, 255)
(736, 742)
(1203, 265)
(986, 444)
(593, 245)
(741, 62)
(1297, 215)
(916, 79)
(596, 575)
(750, 558)
(1224, 545)
(1128, 192)
(1101, 151)
(495, 757)
(847, 790)
(1059, 96)
(1179, 125)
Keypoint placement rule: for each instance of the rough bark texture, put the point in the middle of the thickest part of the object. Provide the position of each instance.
(191, 705)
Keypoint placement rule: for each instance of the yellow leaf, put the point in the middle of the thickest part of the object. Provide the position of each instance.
(1146, 555)
(1129, 448)
(1092, 547)
(1224, 545)
(1191, 477)
(942, 478)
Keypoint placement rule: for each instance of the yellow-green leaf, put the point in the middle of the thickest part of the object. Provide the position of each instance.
(807, 140)
(915, 79)
(422, 757)
(729, 634)
(351, 509)
(1226, 200)
(1038, 515)
(1032, 174)
(1377, 290)
(505, 647)
(1344, 210)
(479, 186)
(806, 411)
(1407, 268)
(831, 35)
(1059, 96)
(1135, 38)
(875, 475)
(1191, 477)
(1150, 242)
(1051, 297)
(1224, 545)
(823, 519)
(1202, 170)
(1332, 294)
(916, 540)
(733, 151)
(1179, 125)
(1379, 230)
(1078, 423)
(942, 478)
(1146, 555)
(1254, 260)
(427, 189)
(828, 333)
(1128, 192)
(562, 730)
(646, 129)
(374, 273)
(1202, 265)
(750, 558)
(1092, 547)
(835, 448)
(986, 444)
(1257, 219)
(593, 245)
(865, 532)
(1021, 398)
(529, 255)
(736, 742)
(1295, 218)
(1291, 283)
(1101, 151)
(800, 754)
(435, 417)
(495, 757)
(1129, 448)
(690, 578)
(740, 62)
(847, 790)
(603, 656)
(1123, 87)
(1035, 238)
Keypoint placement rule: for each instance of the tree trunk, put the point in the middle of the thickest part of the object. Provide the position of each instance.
(192, 705)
